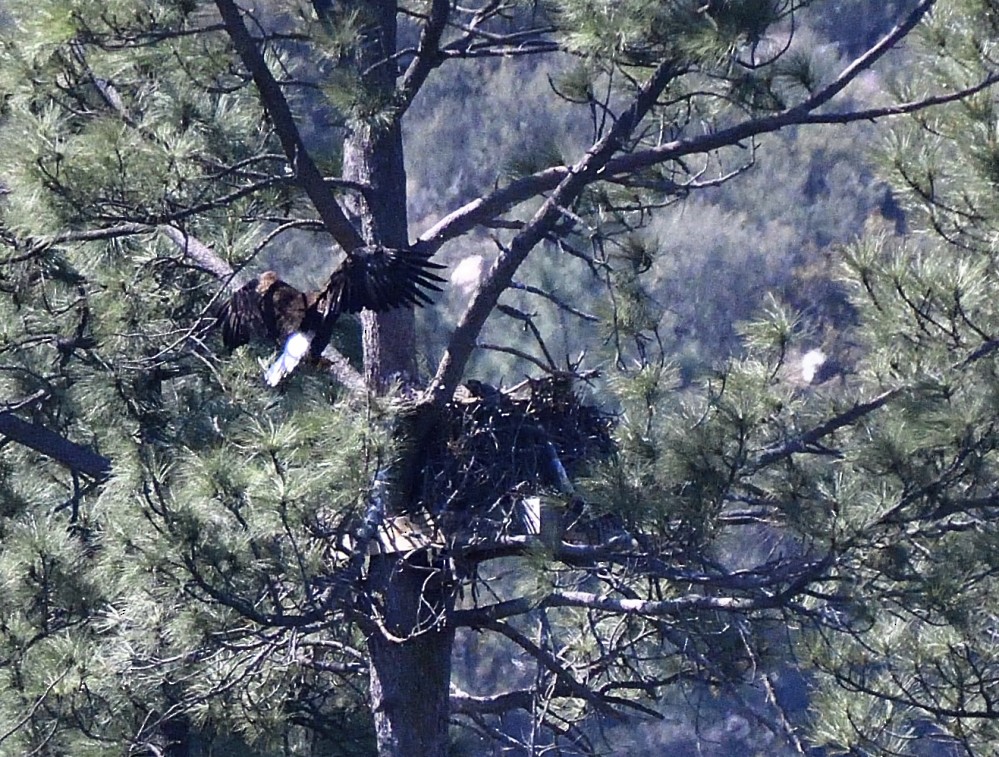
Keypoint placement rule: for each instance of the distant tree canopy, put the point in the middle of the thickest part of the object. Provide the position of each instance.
(192, 563)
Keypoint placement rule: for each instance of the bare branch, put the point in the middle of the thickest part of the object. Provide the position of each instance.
(555, 300)
(498, 278)
(205, 256)
(428, 53)
(306, 171)
(496, 704)
(516, 353)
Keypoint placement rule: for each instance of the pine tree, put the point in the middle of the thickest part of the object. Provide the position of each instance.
(192, 562)
(914, 666)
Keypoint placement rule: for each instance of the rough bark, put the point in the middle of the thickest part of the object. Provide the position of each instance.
(410, 657)
(373, 158)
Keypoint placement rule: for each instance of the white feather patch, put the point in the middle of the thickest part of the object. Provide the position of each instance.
(811, 361)
(466, 275)
(295, 348)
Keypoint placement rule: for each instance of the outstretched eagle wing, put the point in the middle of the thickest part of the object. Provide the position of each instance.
(240, 317)
(372, 278)
(379, 279)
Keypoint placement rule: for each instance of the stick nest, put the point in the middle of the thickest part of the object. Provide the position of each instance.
(497, 452)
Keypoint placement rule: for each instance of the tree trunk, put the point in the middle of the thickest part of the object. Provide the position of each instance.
(373, 157)
(411, 658)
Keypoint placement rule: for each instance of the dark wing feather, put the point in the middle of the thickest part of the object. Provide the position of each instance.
(373, 278)
(240, 316)
(379, 279)
(267, 308)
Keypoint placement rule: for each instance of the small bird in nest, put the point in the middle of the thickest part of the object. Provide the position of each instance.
(371, 278)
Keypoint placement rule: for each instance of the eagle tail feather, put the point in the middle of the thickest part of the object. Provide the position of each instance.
(295, 348)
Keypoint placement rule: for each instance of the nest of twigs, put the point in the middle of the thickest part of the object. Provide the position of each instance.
(497, 451)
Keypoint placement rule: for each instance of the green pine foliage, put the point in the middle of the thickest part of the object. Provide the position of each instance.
(910, 503)
(206, 585)
(126, 604)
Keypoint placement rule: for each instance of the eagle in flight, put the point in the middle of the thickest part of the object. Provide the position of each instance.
(372, 278)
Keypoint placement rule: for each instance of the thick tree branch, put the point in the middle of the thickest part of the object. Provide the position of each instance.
(482, 211)
(496, 704)
(49, 443)
(306, 171)
(428, 53)
(864, 61)
(639, 160)
(501, 274)
(764, 588)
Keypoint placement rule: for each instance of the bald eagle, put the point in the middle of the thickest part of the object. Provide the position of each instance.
(372, 278)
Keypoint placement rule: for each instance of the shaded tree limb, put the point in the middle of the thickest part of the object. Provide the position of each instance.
(310, 178)
(768, 592)
(74, 456)
(463, 703)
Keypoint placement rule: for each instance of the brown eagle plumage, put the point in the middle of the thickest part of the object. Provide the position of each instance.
(266, 308)
(372, 278)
